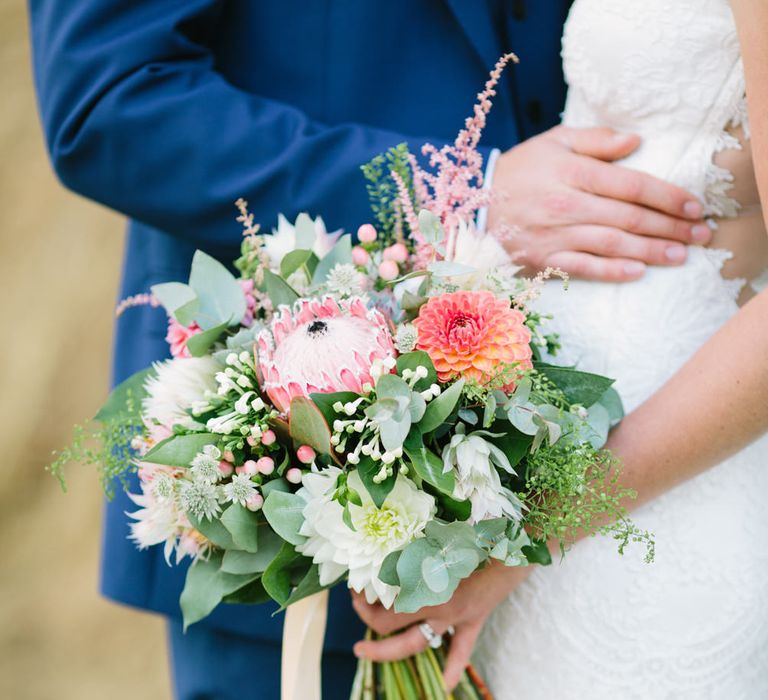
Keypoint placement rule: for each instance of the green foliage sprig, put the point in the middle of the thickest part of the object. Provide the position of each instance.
(382, 190)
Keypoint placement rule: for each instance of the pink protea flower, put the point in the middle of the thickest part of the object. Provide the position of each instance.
(322, 346)
(474, 335)
(178, 336)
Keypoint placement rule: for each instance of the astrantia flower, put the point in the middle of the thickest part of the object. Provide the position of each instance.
(406, 337)
(378, 531)
(176, 386)
(240, 489)
(344, 280)
(474, 462)
(474, 335)
(199, 498)
(283, 240)
(205, 464)
(321, 345)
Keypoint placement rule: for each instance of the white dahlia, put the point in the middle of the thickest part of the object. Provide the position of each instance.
(337, 548)
(474, 462)
(283, 239)
(176, 386)
(322, 345)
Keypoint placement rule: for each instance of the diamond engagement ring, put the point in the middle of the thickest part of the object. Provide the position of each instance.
(434, 639)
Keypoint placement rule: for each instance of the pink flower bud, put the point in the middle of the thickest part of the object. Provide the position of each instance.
(388, 270)
(250, 467)
(255, 502)
(225, 468)
(265, 465)
(397, 252)
(268, 437)
(251, 440)
(293, 475)
(239, 470)
(306, 454)
(229, 456)
(360, 255)
(366, 233)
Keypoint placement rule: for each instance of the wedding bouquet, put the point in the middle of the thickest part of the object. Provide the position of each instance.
(377, 413)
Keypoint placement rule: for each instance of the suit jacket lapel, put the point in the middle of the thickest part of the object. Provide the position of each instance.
(475, 18)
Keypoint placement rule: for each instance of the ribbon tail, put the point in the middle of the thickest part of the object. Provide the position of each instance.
(303, 634)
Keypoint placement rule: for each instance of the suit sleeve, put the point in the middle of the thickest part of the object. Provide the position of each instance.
(137, 118)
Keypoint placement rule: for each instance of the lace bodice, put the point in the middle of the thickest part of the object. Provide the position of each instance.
(694, 624)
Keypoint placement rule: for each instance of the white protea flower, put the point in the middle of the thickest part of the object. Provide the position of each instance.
(177, 385)
(157, 521)
(240, 489)
(283, 240)
(205, 464)
(199, 498)
(481, 251)
(344, 280)
(475, 461)
(336, 548)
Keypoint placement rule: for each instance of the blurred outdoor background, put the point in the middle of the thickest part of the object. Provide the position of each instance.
(59, 262)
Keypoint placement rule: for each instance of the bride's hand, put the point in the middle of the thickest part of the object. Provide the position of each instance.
(466, 612)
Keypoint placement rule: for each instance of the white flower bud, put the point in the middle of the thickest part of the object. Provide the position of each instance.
(231, 359)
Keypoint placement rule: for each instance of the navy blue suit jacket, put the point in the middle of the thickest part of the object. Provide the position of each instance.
(169, 110)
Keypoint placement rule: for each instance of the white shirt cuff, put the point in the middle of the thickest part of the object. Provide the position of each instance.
(490, 167)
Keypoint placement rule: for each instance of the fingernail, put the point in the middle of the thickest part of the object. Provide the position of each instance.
(634, 268)
(693, 209)
(676, 253)
(357, 652)
(701, 233)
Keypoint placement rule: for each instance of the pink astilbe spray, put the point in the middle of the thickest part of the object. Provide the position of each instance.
(136, 300)
(454, 192)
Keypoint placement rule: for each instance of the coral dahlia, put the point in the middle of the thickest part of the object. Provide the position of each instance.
(322, 346)
(473, 334)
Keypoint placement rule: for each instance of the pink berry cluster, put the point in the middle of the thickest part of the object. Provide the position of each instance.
(387, 263)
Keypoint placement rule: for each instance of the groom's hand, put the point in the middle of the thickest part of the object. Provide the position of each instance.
(571, 207)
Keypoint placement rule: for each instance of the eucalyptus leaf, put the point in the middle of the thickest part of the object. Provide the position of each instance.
(173, 296)
(414, 591)
(205, 587)
(430, 227)
(280, 293)
(309, 585)
(340, 254)
(537, 552)
(434, 571)
(240, 562)
(293, 261)
(200, 343)
(428, 465)
(220, 295)
(276, 579)
(243, 525)
(285, 513)
(180, 450)
(442, 268)
(213, 530)
(252, 593)
(388, 570)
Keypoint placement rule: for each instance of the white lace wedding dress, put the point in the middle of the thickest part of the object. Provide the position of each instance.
(694, 624)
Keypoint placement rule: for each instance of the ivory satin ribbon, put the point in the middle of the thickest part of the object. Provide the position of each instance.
(303, 635)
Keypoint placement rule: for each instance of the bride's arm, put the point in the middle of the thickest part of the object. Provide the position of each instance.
(718, 402)
(714, 406)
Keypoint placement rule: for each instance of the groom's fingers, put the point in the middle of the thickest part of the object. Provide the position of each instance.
(634, 218)
(599, 142)
(585, 266)
(616, 182)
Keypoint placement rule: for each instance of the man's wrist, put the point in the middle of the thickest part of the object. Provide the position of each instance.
(490, 167)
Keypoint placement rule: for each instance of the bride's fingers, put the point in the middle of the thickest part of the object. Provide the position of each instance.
(399, 646)
(615, 243)
(381, 620)
(460, 652)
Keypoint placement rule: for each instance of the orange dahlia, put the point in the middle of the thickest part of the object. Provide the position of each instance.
(473, 334)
